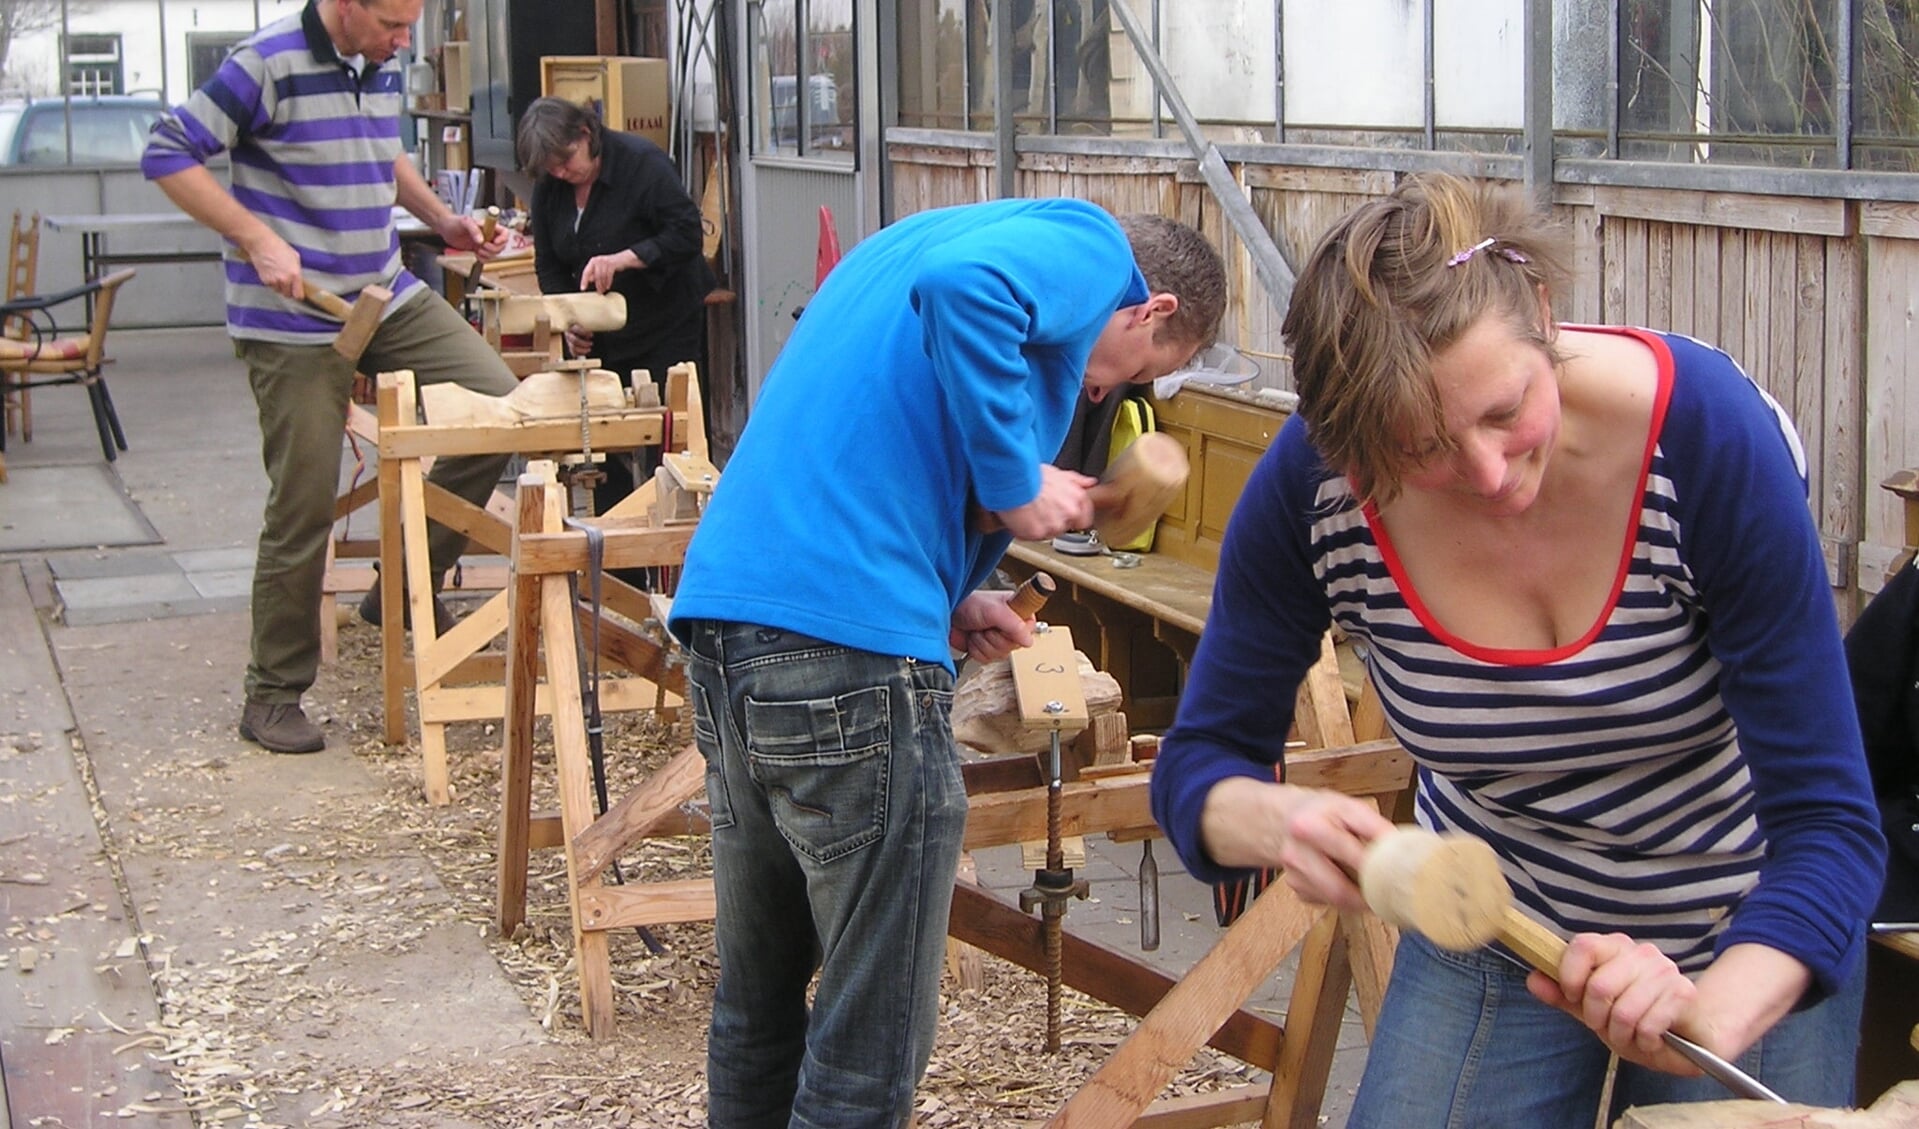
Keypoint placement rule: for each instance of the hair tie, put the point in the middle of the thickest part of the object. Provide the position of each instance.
(1465, 256)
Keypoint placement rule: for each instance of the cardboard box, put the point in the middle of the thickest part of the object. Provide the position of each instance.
(456, 75)
(631, 94)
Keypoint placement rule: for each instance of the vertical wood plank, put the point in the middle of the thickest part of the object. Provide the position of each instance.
(1841, 516)
(1637, 280)
(1732, 297)
(516, 728)
(1705, 266)
(1659, 275)
(1809, 358)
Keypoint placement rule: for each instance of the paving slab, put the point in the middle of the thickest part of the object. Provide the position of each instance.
(74, 993)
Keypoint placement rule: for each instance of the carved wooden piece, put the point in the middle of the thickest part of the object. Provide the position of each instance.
(541, 396)
(1897, 1108)
(986, 708)
(589, 311)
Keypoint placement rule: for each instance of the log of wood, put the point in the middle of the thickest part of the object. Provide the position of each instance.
(986, 709)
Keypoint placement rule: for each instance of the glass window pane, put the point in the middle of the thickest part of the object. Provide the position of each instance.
(1082, 58)
(827, 114)
(1334, 92)
(775, 62)
(932, 54)
(1886, 88)
(1731, 81)
(1222, 57)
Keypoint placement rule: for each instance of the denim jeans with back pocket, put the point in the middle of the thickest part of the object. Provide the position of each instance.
(838, 811)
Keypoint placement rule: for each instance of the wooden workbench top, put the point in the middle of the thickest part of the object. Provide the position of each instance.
(1170, 590)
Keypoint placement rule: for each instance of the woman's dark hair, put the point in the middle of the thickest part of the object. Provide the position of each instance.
(549, 127)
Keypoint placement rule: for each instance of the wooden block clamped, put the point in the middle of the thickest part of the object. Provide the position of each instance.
(594, 312)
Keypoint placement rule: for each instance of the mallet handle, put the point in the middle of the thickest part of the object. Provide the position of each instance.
(489, 224)
(1032, 595)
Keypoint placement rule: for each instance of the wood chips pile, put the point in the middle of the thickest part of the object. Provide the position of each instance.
(987, 1068)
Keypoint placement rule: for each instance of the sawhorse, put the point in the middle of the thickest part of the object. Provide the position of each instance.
(545, 619)
(1338, 953)
(452, 680)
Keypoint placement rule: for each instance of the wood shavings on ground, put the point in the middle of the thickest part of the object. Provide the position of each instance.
(987, 1067)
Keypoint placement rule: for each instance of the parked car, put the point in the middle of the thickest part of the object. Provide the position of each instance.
(107, 129)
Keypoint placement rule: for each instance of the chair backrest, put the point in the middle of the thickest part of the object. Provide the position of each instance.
(23, 256)
(103, 315)
(23, 263)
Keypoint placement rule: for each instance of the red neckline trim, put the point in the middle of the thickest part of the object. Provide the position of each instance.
(1518, 656)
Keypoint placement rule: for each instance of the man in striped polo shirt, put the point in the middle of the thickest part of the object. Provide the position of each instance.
(309, 111)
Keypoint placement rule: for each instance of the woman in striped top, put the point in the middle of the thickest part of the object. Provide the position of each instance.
(1582, 570)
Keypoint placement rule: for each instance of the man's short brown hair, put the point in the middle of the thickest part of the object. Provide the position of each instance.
(1177, 260)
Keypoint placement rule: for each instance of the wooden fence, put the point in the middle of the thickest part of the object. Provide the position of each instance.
(1814, 297)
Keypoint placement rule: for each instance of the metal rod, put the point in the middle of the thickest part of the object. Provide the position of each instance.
(1612, 79)
(1279, 71)
(1159, 123)
(1539, 100)
(1004, 127)
(1275, 275)
(1842, 84)
(1430, 109)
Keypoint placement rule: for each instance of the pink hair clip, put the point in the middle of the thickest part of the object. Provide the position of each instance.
(1506, 253)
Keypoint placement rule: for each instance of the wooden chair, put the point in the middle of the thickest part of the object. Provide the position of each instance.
(50, 356)
(23, 268)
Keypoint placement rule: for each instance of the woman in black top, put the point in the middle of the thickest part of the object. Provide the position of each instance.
(609, 214)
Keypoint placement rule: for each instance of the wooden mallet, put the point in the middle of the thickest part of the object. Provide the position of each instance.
(1138, 486)
(360, 318)
(1449, 888)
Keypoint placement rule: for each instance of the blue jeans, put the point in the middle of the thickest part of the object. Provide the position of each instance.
(838, 811)
(1461, 1044)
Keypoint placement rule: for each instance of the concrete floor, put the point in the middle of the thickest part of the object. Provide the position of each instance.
(119, 662)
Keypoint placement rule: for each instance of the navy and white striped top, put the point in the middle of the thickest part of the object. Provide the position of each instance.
(1688, 773)
(313, 146)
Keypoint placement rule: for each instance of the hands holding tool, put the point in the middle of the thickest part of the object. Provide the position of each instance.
(1063, 503)
(464, 233)
(1315, 836)
(987, 629)
(277, 262)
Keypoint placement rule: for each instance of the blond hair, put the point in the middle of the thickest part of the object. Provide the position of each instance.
(1394, 282)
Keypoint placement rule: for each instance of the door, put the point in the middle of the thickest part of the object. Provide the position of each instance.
(812, 142)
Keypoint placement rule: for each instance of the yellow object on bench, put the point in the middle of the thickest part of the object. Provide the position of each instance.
(1135, 419)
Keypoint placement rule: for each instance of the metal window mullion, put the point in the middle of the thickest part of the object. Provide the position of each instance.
(1003, 124)
(1842, 84)
(1159, 120)
(1539, 100)
(802, 80)
(1279, 71)
(1430, 110)
(1052, 66)
(1613, 56)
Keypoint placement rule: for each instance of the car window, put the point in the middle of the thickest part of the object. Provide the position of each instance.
(102, 134)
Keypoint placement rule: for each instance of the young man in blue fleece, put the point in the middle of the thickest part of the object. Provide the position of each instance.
(831, 584)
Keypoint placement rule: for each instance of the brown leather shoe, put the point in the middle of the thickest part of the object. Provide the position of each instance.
(443, 617)
(281, 727)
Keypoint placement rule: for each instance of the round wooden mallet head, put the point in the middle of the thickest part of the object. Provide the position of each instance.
(1447, 887)
(1138, 486)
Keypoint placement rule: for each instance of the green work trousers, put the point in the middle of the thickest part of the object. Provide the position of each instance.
(302, 392)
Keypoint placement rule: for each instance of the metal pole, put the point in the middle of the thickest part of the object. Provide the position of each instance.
(1612, 80)
(1271, 266)
(1431, 108)
(1279, 72)
(165, 95)
(1004, 127)
(1159, 123)
(1842, 84)
(1052, 66)
(1539, 100)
